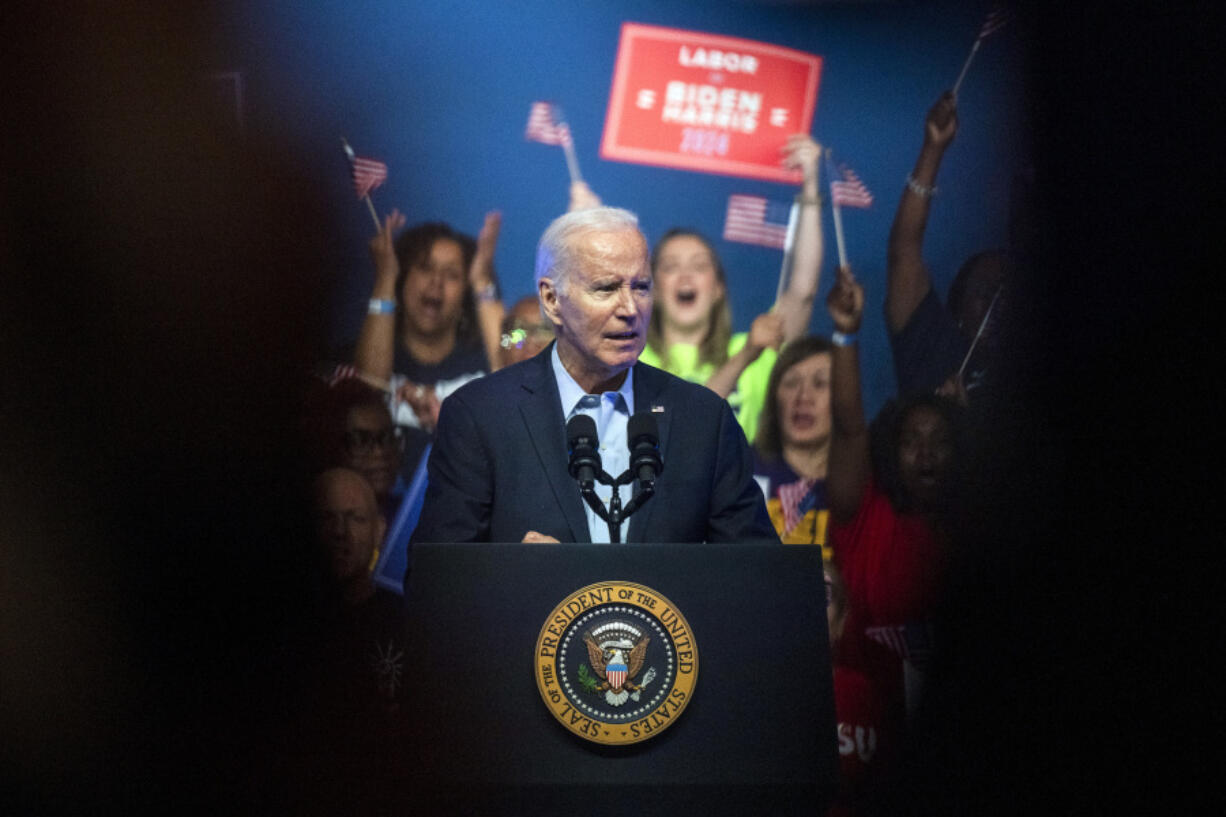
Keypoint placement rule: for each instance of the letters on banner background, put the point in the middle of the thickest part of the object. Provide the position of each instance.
(697, 101)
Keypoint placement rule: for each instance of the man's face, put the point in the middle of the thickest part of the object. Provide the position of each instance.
(601, 316)
(372, 447)
(348, 525)
(526, 332)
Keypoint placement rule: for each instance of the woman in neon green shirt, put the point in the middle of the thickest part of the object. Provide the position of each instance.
(690, 334)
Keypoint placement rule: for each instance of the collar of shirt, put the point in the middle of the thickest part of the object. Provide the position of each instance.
(611, 411)
(571, 392)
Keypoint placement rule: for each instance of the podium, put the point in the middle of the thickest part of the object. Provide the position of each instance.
(757, 734)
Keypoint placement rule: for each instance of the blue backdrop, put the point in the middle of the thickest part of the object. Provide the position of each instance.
(441, 92)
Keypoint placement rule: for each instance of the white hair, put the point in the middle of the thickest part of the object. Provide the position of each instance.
(554, 253)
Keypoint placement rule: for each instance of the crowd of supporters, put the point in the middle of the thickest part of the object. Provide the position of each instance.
(882, 499)
(158, 312)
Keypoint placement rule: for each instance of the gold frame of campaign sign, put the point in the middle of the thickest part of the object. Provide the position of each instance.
(616, 663)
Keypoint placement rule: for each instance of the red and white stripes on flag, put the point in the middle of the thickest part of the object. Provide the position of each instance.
(343, 371)
(996, 20)
(543, 128)
(755, 220)
(891, 637)
(849, 191)
(616, 675)
(911, 641)
(790, 496)
(367, 175)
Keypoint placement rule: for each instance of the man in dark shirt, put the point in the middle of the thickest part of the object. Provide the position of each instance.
(360, 642)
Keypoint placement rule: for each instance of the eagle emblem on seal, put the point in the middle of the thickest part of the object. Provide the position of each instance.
(617, 651)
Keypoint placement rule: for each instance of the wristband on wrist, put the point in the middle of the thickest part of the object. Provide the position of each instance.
(921, 190)
(487, 293)
(381, 306)
(840, 339)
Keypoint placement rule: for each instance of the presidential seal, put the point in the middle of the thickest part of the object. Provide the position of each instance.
(616, 663)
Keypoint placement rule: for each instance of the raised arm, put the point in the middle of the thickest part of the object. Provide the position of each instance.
(796, 301)
(484, 282)
(907, 277)
(767, 330)
(377, 340)
(850, 465)
(790, 317)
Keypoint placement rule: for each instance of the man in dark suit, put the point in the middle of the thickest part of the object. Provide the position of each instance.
(498, 471)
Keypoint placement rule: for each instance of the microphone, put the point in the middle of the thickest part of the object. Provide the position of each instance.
(582, 445)
(643, 436)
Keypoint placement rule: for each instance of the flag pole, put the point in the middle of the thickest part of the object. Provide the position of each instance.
(369, 204)
(838, 233)
(788, 244)
(376, 383)
(837, 212)
(374, 216)
(966, 65)
(983, 323)
(558, 118)
(572, 163)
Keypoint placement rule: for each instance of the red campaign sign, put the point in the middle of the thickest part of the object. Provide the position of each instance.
(698, 101)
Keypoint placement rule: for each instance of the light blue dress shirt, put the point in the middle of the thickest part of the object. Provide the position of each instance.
(611, 411)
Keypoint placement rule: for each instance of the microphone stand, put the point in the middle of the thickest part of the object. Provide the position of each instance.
(614, 515)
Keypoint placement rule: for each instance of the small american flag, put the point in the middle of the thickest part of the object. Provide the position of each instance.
(755, 220)
(367, 174)
(996, 20)
(544, 127)
(891, 637)
(343, 371)
(849, 191)
(911, 641)
(792, 501)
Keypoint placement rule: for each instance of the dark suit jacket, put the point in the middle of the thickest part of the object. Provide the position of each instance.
(499, 465)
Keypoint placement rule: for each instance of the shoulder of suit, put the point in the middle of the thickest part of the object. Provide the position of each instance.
(670, 390)
(506, 381)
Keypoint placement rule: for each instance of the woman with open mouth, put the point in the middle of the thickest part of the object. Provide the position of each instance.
(421, 339)
(792, 447)
(690, 333)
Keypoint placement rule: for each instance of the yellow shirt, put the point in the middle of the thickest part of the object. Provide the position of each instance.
(749, 394)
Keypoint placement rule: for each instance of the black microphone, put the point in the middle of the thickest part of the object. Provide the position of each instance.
(582, 445)
(643, 436)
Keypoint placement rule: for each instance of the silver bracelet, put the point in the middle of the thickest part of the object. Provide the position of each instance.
(487, 293)
(921, 190)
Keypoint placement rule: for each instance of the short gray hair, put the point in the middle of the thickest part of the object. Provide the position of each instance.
(554, 252)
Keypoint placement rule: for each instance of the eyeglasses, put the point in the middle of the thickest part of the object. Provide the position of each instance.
(360, 441)
(519, 335)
